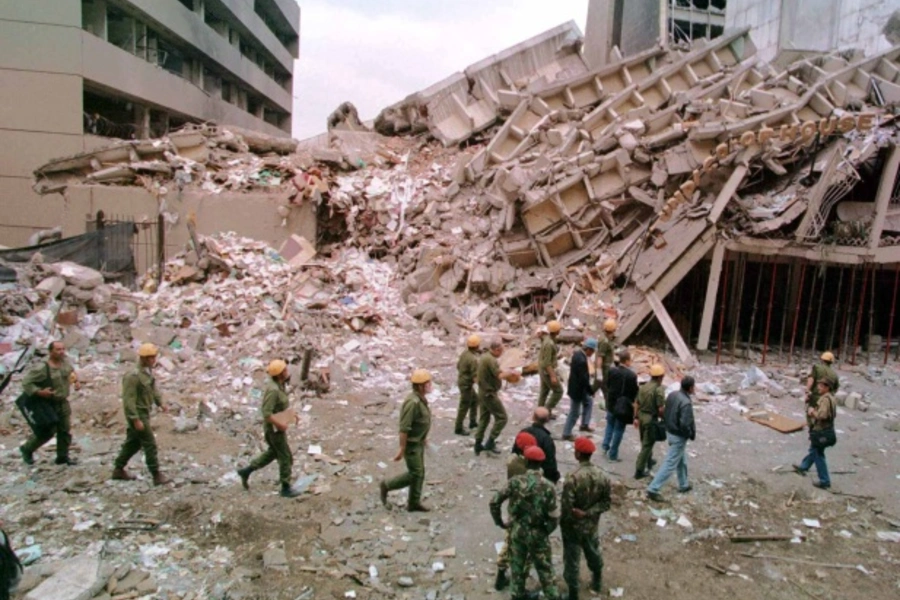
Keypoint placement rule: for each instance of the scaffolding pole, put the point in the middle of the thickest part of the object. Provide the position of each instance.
(769, 312)
(887, 346)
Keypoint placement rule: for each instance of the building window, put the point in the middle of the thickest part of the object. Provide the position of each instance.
(188, 4)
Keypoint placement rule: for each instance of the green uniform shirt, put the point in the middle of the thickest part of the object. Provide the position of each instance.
(587, 489)
(488, 375)
(651, 397)
(275, 399)
(415, 419)
(36, 379)
(467, 369)
(548, 355)
(532, 504)
(822, 372)
(605, 352)
(139, 393)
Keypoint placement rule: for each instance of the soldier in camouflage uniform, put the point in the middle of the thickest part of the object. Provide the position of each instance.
(516, 465)
(467, 374)
(648, 408)
(547, 362)
(585, 497)
(820, 372)
(533, 515)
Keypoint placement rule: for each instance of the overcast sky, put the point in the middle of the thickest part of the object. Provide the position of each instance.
(376, 52)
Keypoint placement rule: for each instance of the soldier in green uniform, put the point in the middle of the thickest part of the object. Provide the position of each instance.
(275, 400)
(489, 381)
(51, 380)
(415, 422)
(533, 515)
(820, 372)
(516, 465)
(467, 373)
(585, 496)
(648, 408)
(603, 360)
(139, 394)
(547, 363)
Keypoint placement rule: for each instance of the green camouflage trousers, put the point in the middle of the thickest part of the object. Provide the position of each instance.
(574, 542)
(527, 548)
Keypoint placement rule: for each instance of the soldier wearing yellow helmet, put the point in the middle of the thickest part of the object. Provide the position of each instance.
(139, 394)
(648, 409)
(820, 372)
(275, 401)
(605, 356)
(415, 423)
(551, 388)
(466, 375)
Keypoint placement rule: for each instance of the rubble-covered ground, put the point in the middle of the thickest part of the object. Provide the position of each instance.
(204, 537)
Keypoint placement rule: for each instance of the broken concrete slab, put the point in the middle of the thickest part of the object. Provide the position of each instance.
(78, 579)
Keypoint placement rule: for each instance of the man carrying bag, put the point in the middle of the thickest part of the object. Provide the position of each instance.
(45, 405)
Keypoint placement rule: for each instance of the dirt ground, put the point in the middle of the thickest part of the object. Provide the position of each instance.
(340, 542)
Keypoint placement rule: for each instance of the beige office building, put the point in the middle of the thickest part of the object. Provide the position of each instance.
(74, 73)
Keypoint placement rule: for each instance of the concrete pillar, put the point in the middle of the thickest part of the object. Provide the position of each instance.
(632, 26)
(598, 32)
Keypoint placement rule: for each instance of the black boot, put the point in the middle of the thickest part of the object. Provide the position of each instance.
(502, 581)
(491, 447)
(461, 431)
(27, 457)
(596, 582)
(573, 593)
(245, 476)
(478, 447)
(288, 492)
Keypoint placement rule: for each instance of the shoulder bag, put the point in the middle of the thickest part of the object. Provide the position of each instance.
(39, 413)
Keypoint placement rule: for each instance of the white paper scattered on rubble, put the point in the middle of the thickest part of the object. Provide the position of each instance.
(314, 449)
(616, 592)
(814, 523)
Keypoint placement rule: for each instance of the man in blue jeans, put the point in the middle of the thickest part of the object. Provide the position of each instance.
(622, 383)
(579, 390)
(680, 427)
(822, 416)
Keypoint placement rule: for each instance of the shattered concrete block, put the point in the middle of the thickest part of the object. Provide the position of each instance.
(77, 275)
(79, 579)
(161, 336)
(852, 400)
(451, 190)
(52, 285)
(275, 559)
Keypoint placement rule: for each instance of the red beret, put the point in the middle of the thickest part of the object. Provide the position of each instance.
(534, 453)
(525, 440)
(585, 446)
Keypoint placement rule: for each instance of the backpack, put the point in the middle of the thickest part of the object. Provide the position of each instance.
(10, 567)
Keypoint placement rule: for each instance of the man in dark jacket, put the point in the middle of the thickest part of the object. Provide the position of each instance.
(545, 442)
(622, 384)
(579, 390)
(679, 419)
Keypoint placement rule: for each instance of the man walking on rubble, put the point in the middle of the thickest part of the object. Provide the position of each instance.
(533, 515)
(820, 372)
(648, 409)
(623, 390)
(139, 394)
(821, 434)
(466, 375)
(275, 401)
(679, 419)
(579, 390)
(516, 465)
(489, 404)
(538, 428)
(585, 496)
(415, 423)
(605, 355)
(52, 380)
(551, 388)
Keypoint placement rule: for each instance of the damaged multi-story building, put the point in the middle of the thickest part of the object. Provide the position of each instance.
(76, 73)
(694, 190)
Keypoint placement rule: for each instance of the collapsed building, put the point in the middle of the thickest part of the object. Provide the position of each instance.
(692, 192)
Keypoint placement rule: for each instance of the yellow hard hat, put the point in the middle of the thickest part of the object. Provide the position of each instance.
(473, 341)
(554, 326)
(420, 376)
(147, 349)
(276, 367)
(828, 357)
(657, 370)
(610, 325)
